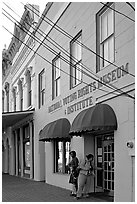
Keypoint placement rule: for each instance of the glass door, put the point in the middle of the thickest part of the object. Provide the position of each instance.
(105, 163)
(108, 152)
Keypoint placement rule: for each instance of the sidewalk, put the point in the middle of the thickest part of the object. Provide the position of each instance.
(16, 189)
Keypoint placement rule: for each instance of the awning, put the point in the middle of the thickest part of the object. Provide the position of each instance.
(97, 118)
(11, 118)
(56, 129)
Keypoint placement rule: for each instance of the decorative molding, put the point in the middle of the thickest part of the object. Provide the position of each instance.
(14, 89)
(28, 71)
(5, 61)
(7, 87)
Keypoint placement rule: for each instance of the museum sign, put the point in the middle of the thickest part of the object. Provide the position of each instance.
(97, 84)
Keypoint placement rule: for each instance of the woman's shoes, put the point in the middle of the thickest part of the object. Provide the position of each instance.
(86, 196)
(78, 197)
(72, 194)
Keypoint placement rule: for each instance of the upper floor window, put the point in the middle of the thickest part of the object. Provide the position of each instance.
(20, 88)
(41, 88)
(3, 97)
(75, 60)
(29, 91)
(14, 98)
(56, 76)
(105, 37)
(7, 95)
(61, 154)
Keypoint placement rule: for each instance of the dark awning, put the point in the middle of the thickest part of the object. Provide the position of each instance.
(56, 129)
(97, 118)
(11, 118)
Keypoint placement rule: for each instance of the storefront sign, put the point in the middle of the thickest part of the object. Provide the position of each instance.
(105, 79)
(80, 105)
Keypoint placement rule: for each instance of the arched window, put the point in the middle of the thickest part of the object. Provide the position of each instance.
(3, 96)
(29, 91)
(20, 87)
(14, 97)
(7, 94)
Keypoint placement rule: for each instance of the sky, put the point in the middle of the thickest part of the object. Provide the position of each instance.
(18, 7)
(16, 10)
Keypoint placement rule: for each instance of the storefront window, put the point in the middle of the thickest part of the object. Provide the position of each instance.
(27, 154)
(26, 147)
(62, 149)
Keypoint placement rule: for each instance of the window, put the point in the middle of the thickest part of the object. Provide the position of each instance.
(62, 149)
(28, 80)
(41, 88)
(26, 146)
(20, 87)
(29, 89)
(21, 98)
(3, 96)
(105, 37)
(56, 76)
(75, 60)
(7, 94)
(27, 154)
(14, 98)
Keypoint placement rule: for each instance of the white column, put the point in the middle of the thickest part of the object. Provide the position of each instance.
(31, 150)
(21, 151)
(16, 144)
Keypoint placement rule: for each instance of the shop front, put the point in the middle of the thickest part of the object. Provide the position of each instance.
(92, 131)
(18, 138)
(99, 123)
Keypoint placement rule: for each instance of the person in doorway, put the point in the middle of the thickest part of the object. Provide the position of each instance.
(73, 172)
(84, 179)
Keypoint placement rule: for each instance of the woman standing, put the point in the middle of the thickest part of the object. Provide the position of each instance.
(73, 172)
(86, 170)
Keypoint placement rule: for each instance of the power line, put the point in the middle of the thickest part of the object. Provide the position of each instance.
(118, 11)
(86, 73)
(130, 5)
(59, 68)
(96, 80)
(51, 50)
(61, 30)
(71, 37)
(69, 63)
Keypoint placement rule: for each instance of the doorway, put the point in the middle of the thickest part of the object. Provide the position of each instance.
(105, 163)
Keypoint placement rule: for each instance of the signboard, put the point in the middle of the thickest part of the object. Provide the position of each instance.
(105, 79)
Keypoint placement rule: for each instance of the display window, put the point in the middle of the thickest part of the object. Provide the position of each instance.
(62, 158)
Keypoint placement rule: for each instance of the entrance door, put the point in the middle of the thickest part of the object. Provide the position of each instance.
(105, 163)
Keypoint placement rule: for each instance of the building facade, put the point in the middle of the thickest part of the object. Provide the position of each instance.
(18, 89)
(83, 87)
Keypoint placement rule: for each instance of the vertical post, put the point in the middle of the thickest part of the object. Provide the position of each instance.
(64, 157)
(31, 149)
(7, 157)
(13, 155)
(16, 144)
(21, 151)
